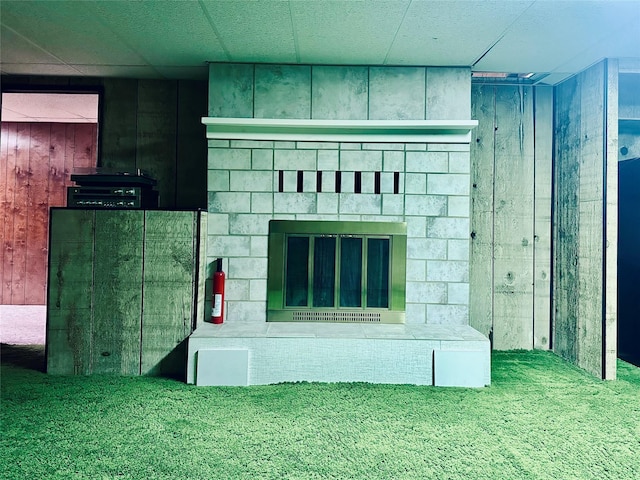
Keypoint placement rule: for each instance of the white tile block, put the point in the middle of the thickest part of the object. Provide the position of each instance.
(258, 290)
(444, 227)
(416, 270)
(217, 224)
(228, 246)
(229, 159)
(294, 159)
(328, 203)
(427, 205)
(393, 161)
(229, 202)
(262, 159)
(328, 160)
(392, 204)
(250, 268)
(249, 224)
(459, 162)
(251, 181)
(362, 204)
(218, 180)
(458, 293)
(426, 248)
(426, 292)
(447, 271)
(361, 160)
(448, 184)
(396, 93)
(294, 203)
(455, 368)
(282, 91)
(427, 162)
(222, 367)
(261, 203)
(458, 206)
(415, 183)
(458, 249)
(447, 315)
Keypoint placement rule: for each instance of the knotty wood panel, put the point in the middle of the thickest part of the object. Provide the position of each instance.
(543, 118)
(37, 161)
(170, 288)
(513, 220)
(584, 302)
(69, 313)
(156, 135)
(482, 178)
(117, 296)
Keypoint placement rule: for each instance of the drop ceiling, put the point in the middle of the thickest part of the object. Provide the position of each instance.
(176, 39)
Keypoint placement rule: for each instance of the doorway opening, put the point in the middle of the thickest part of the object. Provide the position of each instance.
(46, 136)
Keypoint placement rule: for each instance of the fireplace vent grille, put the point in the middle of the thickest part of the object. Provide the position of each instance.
(311, 316)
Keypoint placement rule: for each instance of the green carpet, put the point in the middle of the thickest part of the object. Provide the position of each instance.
(541, 419)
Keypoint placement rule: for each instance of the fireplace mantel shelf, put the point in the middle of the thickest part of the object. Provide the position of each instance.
(359, 131)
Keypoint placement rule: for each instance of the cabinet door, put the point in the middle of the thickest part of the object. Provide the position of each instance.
(117, 291)
(169, 295)
(69, 314)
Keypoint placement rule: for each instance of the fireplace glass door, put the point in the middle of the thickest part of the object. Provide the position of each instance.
(322, 271)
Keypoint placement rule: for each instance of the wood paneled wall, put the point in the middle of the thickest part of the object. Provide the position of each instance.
(585, 273)
(149, 124)
(511, 159)
(36, 160)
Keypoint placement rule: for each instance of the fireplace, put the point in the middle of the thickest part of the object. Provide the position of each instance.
(328, 271)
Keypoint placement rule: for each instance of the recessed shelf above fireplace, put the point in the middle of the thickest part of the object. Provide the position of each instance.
(370, 131)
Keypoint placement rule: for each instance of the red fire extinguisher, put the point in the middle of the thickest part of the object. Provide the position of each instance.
(217, 310)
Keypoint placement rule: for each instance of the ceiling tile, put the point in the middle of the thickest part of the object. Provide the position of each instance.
(454, 32)
(339, 32)
(552, 32)
(253, 31)
(163, 33)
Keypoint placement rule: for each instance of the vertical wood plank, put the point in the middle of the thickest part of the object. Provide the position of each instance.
(191, 159)
(85, 155)
(482, 178)
(611, 225)
(156, 135)
(21, 199)
(69, 319)
(543, 117)
(169, 274)
(591, 214)
(117, 305)
(58, 175)
(7, 191)
(566, 220)
(513, 220)
(119, 125)
(37, 215)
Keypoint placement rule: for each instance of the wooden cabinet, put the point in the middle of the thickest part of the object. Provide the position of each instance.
(125, 290)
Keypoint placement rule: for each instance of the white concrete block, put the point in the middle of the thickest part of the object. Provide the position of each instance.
(228, 246)
(416, 270)
(249, 224)
(258, 290)
(236, 290)
(294, 203)
(259, 246)
(328, 182)
(362, 204)
(328, 203)
(250, 268)
(396, 93)
(458, 249)
(262, 159)
(458, 206)
(294, 159)
(218, 180)
(229, 202)
(447, 271)
(458, 293)
(426, 248)
(447, 315)
(427, 162)
(393, 161)
(444, 227)
(328, 160)
(289, 181)
(392, 204)
(361, 160)
(415, 183)
(246, 311)
(252, 144)
(217, 224)
(282, 91)
(426, 292)
(416, 227)
(261, 203)
(448, 184)
(251, 181)
(427, 205)
(459, 162)
(229, 159)
(309, 181)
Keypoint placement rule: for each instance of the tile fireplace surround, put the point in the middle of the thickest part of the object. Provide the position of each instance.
(392, 145)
